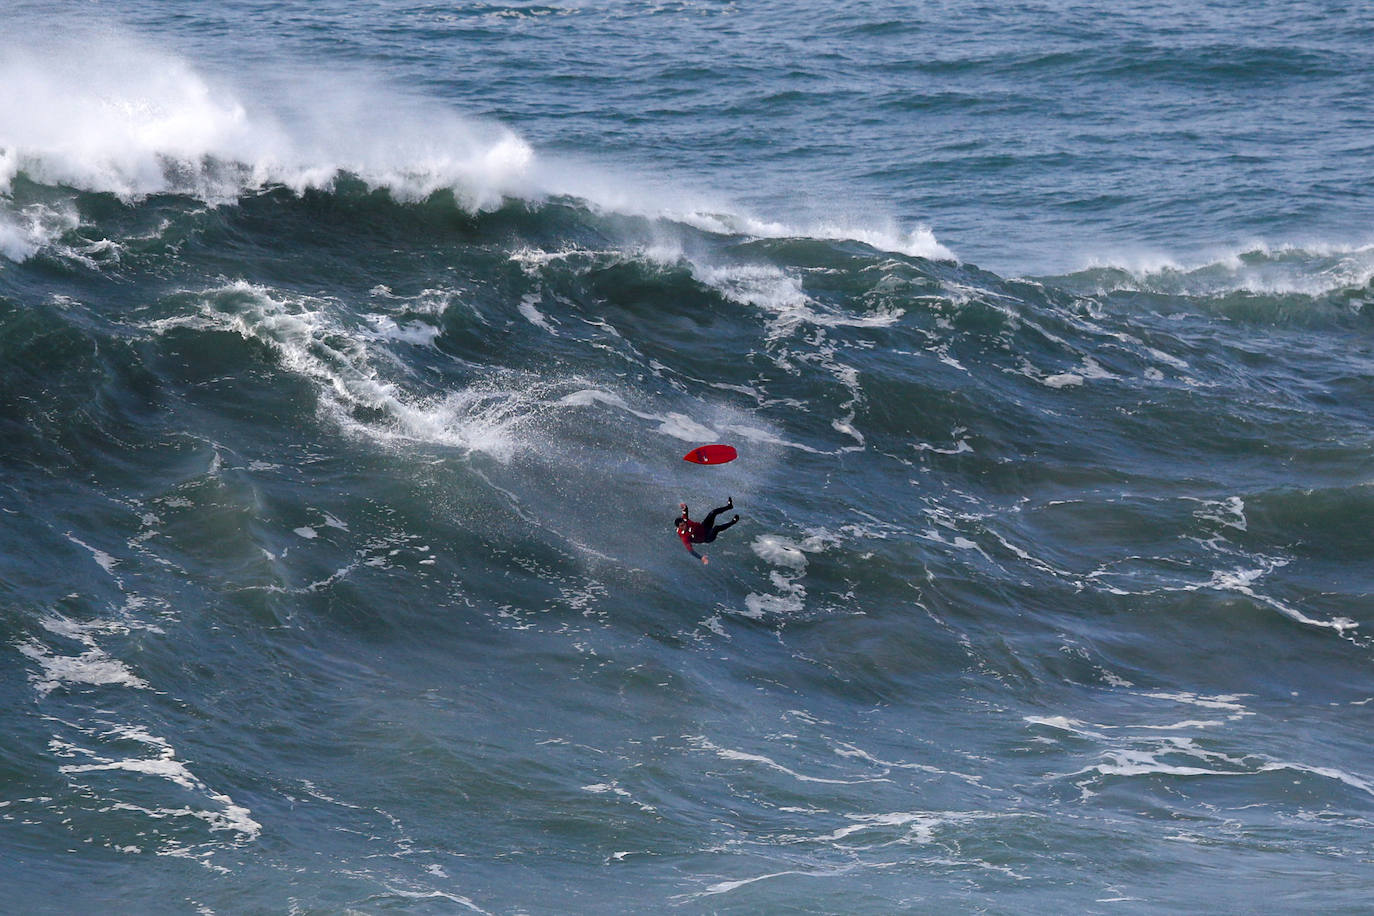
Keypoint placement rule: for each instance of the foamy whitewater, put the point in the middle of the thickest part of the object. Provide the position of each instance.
(350, 353)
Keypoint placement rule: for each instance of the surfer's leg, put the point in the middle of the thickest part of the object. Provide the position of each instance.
(719, 528)
(711, 516)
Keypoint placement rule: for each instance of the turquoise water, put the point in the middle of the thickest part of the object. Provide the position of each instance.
(349, 356)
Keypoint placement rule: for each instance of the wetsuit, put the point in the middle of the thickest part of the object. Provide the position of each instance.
(703, 532)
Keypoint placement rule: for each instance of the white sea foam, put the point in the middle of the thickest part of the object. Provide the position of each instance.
(1133, 749)
(1242, 580)
(1143, 763)
(743, 757)
(497, 415)
(102, 111)
(532, 314)
(1089, 370)
(920, 826)
(1065, 724)
(103, 559)
(681, 426)
(25, 230)
(591, 396)
(422, 895)
(790, 556)
(779, 551)
(1226, 702)
(1229, 512)
(781, 295)
(227, 816)
(1180, 756)
(791, 600)
(1302, 267)
(107, 112)
(96, 668)
(487, 417)
(725, 887)
(918, 242)
(93, 667)
(1355, 781)
(15, 242)
(415, 332)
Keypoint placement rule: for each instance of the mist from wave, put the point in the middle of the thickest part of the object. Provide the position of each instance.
(104, 112)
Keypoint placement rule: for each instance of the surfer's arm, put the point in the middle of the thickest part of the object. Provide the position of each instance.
(686, 542)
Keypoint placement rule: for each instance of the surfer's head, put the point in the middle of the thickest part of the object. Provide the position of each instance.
(677, 522)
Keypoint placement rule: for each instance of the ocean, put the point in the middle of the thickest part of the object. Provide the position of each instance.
(349, 353)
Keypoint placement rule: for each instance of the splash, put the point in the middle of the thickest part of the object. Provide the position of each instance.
(1308, 269)
(108, 113)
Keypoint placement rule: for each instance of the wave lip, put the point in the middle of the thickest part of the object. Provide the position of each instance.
(919, 242)
(110, 115)
(1312, 269)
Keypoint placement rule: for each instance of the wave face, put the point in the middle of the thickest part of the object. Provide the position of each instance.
(342, 426)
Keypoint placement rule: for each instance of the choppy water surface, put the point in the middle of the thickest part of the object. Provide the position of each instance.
(349, 355)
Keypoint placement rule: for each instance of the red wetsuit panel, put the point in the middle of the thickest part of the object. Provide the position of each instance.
(690, 533)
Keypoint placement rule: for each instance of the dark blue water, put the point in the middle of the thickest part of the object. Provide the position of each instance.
(348, 354)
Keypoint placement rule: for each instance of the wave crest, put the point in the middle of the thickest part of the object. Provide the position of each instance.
(111, 115)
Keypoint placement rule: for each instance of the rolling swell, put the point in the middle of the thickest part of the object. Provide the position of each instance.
(322, 484)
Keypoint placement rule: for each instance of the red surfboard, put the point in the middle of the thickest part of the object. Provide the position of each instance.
(711, 454)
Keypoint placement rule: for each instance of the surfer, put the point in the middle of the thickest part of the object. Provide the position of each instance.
(703, 532)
